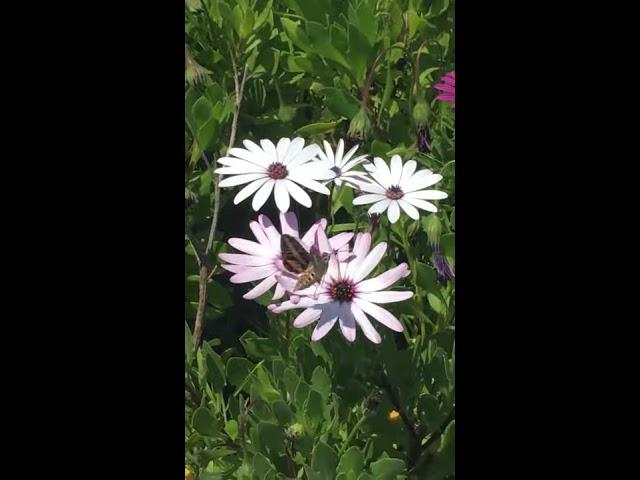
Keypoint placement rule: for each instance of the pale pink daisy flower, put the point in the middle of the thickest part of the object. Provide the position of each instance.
(280, 169)
(346, 295)
(448, 86)
(262, 260)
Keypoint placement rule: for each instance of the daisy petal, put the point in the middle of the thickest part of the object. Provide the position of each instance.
(243, 259)
(262, 195)
(257, 156)
(271, 231)
(306, 154)
(297, 193)
(328, 151)
(383, 316)
(384, 280)
(393, 211)
(261, 288)
(307, 317)
(234, 166)
(281, 194)
(304, 302)
(368, 198)
(250, 274)
(356, 161)
(370, 262)
(371, 187)
(380, 207)
(269, 149)
(327, 320)
(339, 152)
(281, 148)
(409, 209)
(385, 297)
(347, 156)
(249, 190)
(340, 240)
(428, 195)
(382, 170)
(289, 224)
(279, 293)
(421, 180)
(295, 147)
(347, 322)
(396, 169)
(365, 324)
(416, 202)
(361, 247)
(240, 179)
(309, 183)
(407, 170)
(247, 246)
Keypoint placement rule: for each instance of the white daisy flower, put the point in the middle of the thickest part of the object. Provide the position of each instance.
(281, 169)
(341, 164)
(399, 187)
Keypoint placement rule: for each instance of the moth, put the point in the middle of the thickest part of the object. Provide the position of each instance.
(310, 266)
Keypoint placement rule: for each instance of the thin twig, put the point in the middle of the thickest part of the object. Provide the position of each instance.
(205, 273)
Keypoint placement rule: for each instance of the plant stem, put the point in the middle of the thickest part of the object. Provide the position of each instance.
(198, 329)
(352, 433)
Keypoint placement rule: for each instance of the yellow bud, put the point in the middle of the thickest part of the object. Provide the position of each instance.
(188, 474)
(394, 416)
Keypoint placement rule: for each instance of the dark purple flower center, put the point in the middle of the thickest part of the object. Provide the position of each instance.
(394, 192)
(342, 291)
(277, 171)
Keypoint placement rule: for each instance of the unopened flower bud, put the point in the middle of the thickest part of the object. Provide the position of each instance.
(295, 431)
(286, 113)
(421, 112)
(360, 126)
(433, 227)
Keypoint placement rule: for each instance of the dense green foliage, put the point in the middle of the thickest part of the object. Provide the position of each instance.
(261, 399)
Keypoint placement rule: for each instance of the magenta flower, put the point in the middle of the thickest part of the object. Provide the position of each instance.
(448, 87)
(347, 297)
(262, 260)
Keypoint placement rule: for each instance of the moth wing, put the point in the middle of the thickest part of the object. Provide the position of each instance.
(294, 257)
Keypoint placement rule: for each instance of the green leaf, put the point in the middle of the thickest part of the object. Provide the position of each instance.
(317, 128)
(238, 368)
(231, 428)
(201, 112)
(207, 133)
(256, 347)
(282, 412)
(272, 439)
(291, 381)
(427, 278)
(264, 15)
(263, 467)
(340, 102)
(213, 367)
(379, 149)
(324, 461)
(320, 42)
(351, 461)
(448, 245)
(295, 34)
(321, 382)
(387, 468)
(314, 409)
(204, 422)
(246, 27)
(301, 395)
